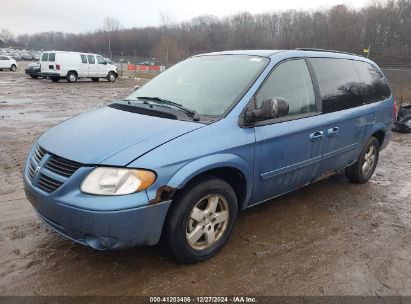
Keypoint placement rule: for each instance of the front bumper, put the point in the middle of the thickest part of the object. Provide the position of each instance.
(32, 72)
(101, 230)
(101, 222)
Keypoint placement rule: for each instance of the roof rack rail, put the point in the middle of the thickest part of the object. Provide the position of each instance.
(324, 50)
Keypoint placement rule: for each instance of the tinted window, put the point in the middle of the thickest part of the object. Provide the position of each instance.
(291, 80)
(100, 60)
(4, 58)
(374, 86)
(45, 57)
(52, 57)
(339, 83)
(83, 59)
(91, 59)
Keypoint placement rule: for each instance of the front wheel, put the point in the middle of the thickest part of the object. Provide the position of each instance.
(362, 170)
(201, 220)
(111, 77)
(13, 68)
(34, 76)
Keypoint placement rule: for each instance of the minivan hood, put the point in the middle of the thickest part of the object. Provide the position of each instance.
(96, 136)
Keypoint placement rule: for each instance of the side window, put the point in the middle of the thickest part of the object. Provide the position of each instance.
(4, 58)
(83, 58)
(291, 80)
(374, 86)
(52, 57)
(339, 83)
(91, 59)
(100, 60)
(45, 57)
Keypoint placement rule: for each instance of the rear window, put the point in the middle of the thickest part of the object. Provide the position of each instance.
(45, 57)
(52, 57)
(374, 86)
(339, 84)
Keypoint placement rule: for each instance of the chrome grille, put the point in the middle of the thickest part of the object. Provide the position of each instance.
(48, 184)
(53, 171)
(62, 166)
(31, 172)
(39, 153)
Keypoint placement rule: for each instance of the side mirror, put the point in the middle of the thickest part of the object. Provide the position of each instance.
(270, 108)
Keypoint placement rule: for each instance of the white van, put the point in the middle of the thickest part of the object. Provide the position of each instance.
(73, 65)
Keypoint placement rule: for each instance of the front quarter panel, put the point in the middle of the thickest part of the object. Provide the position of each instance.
(222, 144)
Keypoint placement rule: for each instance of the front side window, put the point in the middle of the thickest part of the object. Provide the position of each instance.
(52, 57)
(83, 58)
(100, 60)
(339, 83)
(374, 86)
(291, 81)
(45, 57)
(91, 59)
(209, 85)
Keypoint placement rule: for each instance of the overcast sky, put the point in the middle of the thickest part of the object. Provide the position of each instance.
(75, 16)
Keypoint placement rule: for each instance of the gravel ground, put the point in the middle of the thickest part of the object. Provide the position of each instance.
(330, 238)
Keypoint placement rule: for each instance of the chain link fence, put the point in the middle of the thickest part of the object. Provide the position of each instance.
(395, 63)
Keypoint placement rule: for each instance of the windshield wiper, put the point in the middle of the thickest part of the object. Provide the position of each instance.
(191, 113)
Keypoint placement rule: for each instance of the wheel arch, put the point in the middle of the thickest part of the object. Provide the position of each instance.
(74, 71)
(231, 168)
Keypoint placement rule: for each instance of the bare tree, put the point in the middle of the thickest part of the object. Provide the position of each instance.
(110, 25)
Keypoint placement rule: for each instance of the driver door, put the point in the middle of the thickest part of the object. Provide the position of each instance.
(288, 149)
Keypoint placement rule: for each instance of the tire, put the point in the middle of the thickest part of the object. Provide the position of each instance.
(95, 79)
(111, 77)
(55, 79)
(13, 68)
(34, 76)
(71, 77)
(181, 223)
(362, 170)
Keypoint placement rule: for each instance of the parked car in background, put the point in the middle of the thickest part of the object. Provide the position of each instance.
(26, 57)
(33, 70)
(74, 65)
(212, 135)
(6, 62)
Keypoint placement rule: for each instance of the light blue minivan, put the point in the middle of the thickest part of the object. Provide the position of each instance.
(214, 134)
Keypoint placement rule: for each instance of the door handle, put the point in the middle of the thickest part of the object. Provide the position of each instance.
(316, 135)
(333, 131)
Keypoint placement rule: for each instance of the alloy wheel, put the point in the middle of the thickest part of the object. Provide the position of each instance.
(207, 222)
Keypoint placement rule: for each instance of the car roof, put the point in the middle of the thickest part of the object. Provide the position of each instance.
(290, 53)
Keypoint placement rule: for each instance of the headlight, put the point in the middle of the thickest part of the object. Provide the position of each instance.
(117, 181)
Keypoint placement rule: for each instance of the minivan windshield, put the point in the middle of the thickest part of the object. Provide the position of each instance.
(207, 85)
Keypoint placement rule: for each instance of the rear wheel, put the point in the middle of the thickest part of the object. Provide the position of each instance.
(362, 170)
(201, 220)
(55, 79)
(111, 77)
(71, 76)
(13, 68)
(95, 79)
(34, 76)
